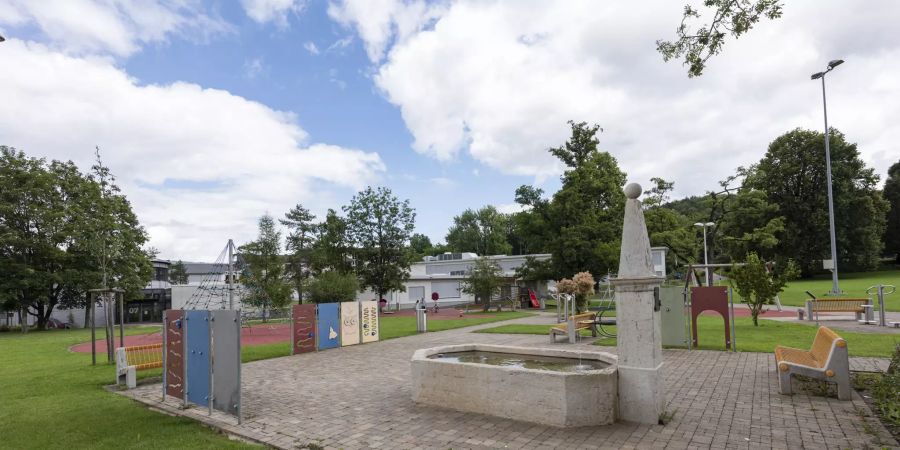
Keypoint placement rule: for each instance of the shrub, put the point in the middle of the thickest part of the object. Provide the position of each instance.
(886, 393)
(333, 287)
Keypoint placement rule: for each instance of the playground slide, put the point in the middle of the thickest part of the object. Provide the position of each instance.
(534, 300)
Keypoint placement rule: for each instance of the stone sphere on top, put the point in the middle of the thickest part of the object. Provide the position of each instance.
(633, 191)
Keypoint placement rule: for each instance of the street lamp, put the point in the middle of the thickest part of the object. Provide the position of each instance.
(705, 253)
(835, 289)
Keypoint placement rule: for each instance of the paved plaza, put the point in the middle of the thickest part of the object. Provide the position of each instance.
(360, 397)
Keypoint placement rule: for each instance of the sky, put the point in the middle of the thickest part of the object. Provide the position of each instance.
(212, 113)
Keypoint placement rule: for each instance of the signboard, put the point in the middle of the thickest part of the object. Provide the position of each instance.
(303, 328)
(174, 353)
(226, 361)
(329, 326)
(369, 321)
(349, 323)
(197, 353)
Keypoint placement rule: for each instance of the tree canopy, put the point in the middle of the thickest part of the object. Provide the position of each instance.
(379, 226)
(483, 232)
(301, 237)
(264, 277)
(891, 194)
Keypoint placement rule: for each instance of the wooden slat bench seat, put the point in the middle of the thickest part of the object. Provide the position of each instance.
(571, 328)
(853, 305)
(138, 357)
(826, 360)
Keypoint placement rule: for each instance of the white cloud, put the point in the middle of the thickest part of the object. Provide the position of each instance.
(117, 27)
(276, 11)
(159, 138)
(340, 44)
(500, 79)
(311, 47)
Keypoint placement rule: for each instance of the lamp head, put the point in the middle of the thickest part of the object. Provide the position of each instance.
(698, 224)
(710, 224)
(834, 63)
(817, 75)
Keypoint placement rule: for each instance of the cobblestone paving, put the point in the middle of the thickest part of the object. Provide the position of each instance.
(359, 397)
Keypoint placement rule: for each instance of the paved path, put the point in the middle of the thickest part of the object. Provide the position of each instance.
(359, 397)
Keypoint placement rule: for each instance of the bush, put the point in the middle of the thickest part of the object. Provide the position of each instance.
(886, 393)
(332, 287)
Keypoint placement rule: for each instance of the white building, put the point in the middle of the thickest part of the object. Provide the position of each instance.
(443, 274)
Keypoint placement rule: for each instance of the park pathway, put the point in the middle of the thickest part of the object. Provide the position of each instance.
(360, 397)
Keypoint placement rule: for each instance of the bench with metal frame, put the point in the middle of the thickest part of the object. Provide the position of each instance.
(857, 306)
(576, 323)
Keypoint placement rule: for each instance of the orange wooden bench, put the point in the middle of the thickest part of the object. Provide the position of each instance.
(826, 360)
(138, 357)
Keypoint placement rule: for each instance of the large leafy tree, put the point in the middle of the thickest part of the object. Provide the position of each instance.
(331, 247)
(483, 281)
(483, 232)
(792, 176)
(665, 225)
(586, 213)
(264, 277)
(725, 17)
(379, 226)
(531, 227)
(891, 194)
(301, 236)
(62, 233)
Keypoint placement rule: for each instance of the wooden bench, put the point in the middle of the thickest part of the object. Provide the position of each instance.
(571, 328)
(139, 357)
(854, 305)
(827, 360)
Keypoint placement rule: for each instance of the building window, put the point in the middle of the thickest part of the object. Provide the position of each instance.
(446, 289)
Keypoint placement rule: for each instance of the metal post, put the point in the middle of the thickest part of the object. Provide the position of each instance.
(93, 300)
(237, 324)
(121, 298)
(110, 329)
(230, 277)
(835, 289)
(165, 352)
(706, 257)
(731, 313)
(212, 357)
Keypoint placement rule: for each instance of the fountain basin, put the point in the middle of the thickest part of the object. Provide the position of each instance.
(560, 387)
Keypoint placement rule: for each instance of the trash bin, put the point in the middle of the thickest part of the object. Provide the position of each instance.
(421, 320)
(800, 314)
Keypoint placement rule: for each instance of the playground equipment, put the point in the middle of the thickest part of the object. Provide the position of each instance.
(331, 325)
(212, 293)
(710, 298)
(110, 298)
(880, 291)
(202, 358)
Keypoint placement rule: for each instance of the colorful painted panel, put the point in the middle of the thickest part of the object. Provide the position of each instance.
(349, 323)
(710, 298)
(226, 351)
(303, 328)
(174, 321)
(369, 320)
(197, 353)
(329, 328)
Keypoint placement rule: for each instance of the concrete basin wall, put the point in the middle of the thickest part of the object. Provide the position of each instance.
(563, 399)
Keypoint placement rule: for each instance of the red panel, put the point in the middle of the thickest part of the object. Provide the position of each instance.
(304, 328)
(175, 353)
(710, 298)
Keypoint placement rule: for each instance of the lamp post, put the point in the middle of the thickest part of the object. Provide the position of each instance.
(705, 252)
(835, 289)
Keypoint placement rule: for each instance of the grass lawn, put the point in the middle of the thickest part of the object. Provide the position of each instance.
(749, 338)
(854, 285)
(53, 398)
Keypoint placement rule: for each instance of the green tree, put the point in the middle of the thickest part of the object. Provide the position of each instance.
(62, 233)
(263, 273)
(300, 239)
(729, 17)
(891, 194)
(532, 226)
(586, 213)
(758, 285)
(792, 176)
(483, 281)
(332, 287)
(178, 273)
(331, 249)
(420, 246)
(379, 226)
(666, 226)
(483, 232)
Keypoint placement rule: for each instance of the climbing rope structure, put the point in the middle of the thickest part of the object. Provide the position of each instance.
(216, 291)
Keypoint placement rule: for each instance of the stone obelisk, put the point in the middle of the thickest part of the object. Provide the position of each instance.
(642, 396)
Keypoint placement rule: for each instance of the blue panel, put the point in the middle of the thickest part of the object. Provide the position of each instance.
(198, 356)
(329, 326)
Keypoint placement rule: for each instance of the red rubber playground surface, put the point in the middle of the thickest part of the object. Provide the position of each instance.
(259, 334)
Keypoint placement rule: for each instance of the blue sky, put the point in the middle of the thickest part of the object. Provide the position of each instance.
(213, 113)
